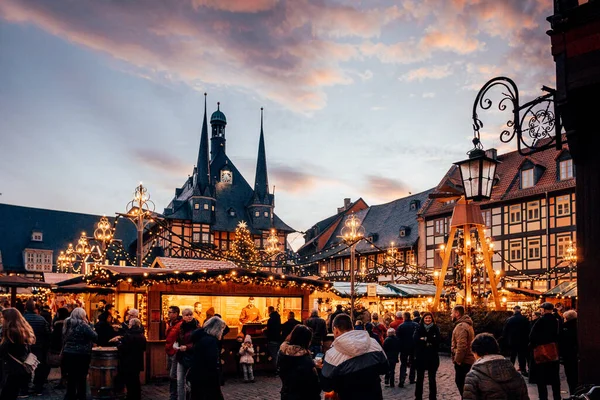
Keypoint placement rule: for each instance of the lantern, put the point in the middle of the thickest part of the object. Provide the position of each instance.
(477, 175)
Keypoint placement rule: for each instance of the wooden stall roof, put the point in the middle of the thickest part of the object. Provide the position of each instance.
(412, 289)
(19, 281)
(561, 289)
(190, 264)
(342, 289)
(111, 276)
(524, 291)
(81, 288)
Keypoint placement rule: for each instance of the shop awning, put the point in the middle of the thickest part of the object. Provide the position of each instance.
(81, 288)
(412, 289)
(561, 289)
(342, 289)
(55, 277)
(524, 291)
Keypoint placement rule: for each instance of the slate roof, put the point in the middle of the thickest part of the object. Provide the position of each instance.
(382, 223)
(412, 289)
(509, 179)
(59, 228)
(342, 289)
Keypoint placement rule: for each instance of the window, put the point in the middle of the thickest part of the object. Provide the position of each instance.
(196, 206)
(363, 263)
(206, 206)
(213, 208)
(231, 212)
(206, 238)
(562, 242)
(346, 264)
(563, 205)
(515, 251)
(256, 213)
(410, 256)
(526, 178)
(266, 214)
(440, 225)
(196, 237)
(566, 169)
(533, 249)
(36, 236)
(402, 232)
(122, 263)
(533, 210)
(487, 218)
(515, 214)
(30, 258)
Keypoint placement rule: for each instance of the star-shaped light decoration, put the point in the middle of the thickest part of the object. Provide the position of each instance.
(242, 225)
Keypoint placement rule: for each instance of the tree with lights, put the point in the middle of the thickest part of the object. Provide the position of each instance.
(243, 252)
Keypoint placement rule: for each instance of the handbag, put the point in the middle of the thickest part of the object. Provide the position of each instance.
(545, 353)
(30, 364)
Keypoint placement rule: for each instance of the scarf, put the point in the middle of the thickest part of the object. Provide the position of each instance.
(428, 326)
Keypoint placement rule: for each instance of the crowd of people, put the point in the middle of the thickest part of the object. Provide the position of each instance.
(34, 341)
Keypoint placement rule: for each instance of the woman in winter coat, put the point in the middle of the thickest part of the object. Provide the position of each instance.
(131, 346)
(56, 340)
(296, 367)
(492, 375)
(184, 354)
(78, 337)
(545, 331)
(391, 347)
(104, 329)
(246, 353)
(17, 337)
(204, 373)
(427, 342)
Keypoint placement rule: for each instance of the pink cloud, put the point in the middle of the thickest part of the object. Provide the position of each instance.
(433, 72)
(385, 188)
(244, 6)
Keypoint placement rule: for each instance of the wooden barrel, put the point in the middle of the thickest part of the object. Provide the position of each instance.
(103, 373)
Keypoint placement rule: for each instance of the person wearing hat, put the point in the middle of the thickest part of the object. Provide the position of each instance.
(516, 337)
(543, 340)
(250, 313)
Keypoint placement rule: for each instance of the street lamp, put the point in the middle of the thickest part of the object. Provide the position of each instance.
(140, 211)
(352, 232)
(477, 173)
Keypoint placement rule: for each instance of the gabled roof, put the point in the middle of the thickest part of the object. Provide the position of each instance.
(382, 223)
(190, 264)
(508, 184)
(59, 228)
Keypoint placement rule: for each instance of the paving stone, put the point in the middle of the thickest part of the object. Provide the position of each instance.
(267, 387)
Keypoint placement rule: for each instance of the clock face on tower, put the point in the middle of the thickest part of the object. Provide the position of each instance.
(226, 176)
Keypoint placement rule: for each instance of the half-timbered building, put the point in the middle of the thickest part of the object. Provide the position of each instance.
(530, 217)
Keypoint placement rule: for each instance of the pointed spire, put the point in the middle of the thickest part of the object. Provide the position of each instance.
(261, 182)
(203, 164)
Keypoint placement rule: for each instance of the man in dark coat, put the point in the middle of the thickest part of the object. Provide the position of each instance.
(41, 329)
(569, 348)
(545, 331)
(338, 310)
(288, 326)
(405, 333)
(204, 374)
(132, 346)
(273, 333)
(516, 336)
(319, 331)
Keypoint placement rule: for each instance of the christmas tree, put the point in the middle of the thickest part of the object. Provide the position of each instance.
(242, 251)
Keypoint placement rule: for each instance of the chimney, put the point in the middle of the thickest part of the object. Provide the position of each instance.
(492, 153)
(345, 206)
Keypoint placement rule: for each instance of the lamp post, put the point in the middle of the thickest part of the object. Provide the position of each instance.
(352, 233)
(140, 211)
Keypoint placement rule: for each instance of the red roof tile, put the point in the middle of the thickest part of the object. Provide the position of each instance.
(189, 264)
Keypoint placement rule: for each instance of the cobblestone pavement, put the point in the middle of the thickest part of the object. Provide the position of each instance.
(267, 388)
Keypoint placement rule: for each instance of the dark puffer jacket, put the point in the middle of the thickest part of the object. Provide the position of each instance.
(299, 378)
(131, 350)
(494, 377)
(426, 350)
(352, 367)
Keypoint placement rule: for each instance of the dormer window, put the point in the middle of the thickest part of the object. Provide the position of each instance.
(414, 205)
(196, 206)
(36, 236)
(402, 232)
(527, 178)
(231, 212)
(266, 214)
(206, 206)
(257, 213)
(566, 169)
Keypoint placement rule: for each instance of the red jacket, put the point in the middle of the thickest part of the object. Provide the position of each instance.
(172, 336)
(396, 323)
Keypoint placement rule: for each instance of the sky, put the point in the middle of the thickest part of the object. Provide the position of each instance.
(368, 99)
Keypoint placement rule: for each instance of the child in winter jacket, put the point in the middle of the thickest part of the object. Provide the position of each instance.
(391, 347)
(247, 359)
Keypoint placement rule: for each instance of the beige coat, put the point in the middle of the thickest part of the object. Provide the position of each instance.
(462, 337)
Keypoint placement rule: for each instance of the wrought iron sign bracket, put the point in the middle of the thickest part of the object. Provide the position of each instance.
(536, 124)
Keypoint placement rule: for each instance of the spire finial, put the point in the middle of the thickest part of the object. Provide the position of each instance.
(261, 118)
(218, 105)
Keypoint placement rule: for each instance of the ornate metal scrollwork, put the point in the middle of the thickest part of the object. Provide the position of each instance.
(535, 124)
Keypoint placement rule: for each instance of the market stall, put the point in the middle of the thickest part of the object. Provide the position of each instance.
(240, 296)
(14, 281)
(565, 293)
